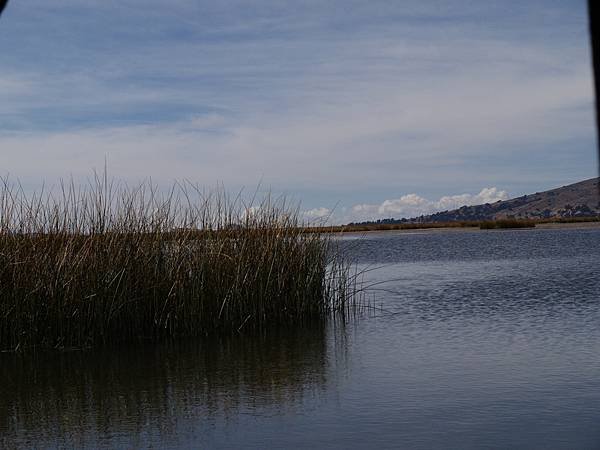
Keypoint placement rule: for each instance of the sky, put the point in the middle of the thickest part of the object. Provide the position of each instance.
(356, 109)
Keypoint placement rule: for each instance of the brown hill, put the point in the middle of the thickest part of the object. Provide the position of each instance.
(575, 200)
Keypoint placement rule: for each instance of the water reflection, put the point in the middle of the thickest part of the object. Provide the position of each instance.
(108, 397)
(483, 340)
(481, 275)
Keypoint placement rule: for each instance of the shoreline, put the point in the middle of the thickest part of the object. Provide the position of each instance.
(464, 229)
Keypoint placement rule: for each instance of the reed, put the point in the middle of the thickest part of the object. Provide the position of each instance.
(88, 265)
(356, 228)
(506, 223)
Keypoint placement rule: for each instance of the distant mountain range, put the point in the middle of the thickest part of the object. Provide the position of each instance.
(575, 200)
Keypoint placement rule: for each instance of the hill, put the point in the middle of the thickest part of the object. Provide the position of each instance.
(572, 201)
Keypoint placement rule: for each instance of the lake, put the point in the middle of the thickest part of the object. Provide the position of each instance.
(475, 339)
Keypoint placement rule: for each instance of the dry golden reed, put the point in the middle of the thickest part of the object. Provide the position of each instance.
(106, 262)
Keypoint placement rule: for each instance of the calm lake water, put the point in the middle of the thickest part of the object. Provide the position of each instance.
(481, 340)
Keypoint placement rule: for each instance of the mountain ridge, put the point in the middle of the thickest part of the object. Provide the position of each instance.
(575, 200)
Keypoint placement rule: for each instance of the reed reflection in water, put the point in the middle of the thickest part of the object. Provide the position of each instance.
(160, 394)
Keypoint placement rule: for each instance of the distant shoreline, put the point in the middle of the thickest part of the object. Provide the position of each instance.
(445, 227)
(553, 225)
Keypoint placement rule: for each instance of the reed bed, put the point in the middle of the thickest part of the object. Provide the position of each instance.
(105, 262)
(506, 223)
(484, 225)
(356, 228)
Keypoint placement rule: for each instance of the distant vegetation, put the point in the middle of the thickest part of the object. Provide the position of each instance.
(106, 263)
(495, 224)
(382, 226)
(485, 224)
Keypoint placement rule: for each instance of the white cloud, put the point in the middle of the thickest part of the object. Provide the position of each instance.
(413, 205)
(317, 215)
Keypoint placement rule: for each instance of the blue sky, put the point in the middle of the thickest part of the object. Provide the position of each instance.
(376, 108)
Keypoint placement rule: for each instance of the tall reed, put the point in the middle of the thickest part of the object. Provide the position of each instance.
(105, 262)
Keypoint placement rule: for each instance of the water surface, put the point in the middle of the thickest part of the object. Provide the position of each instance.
(479, 340)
